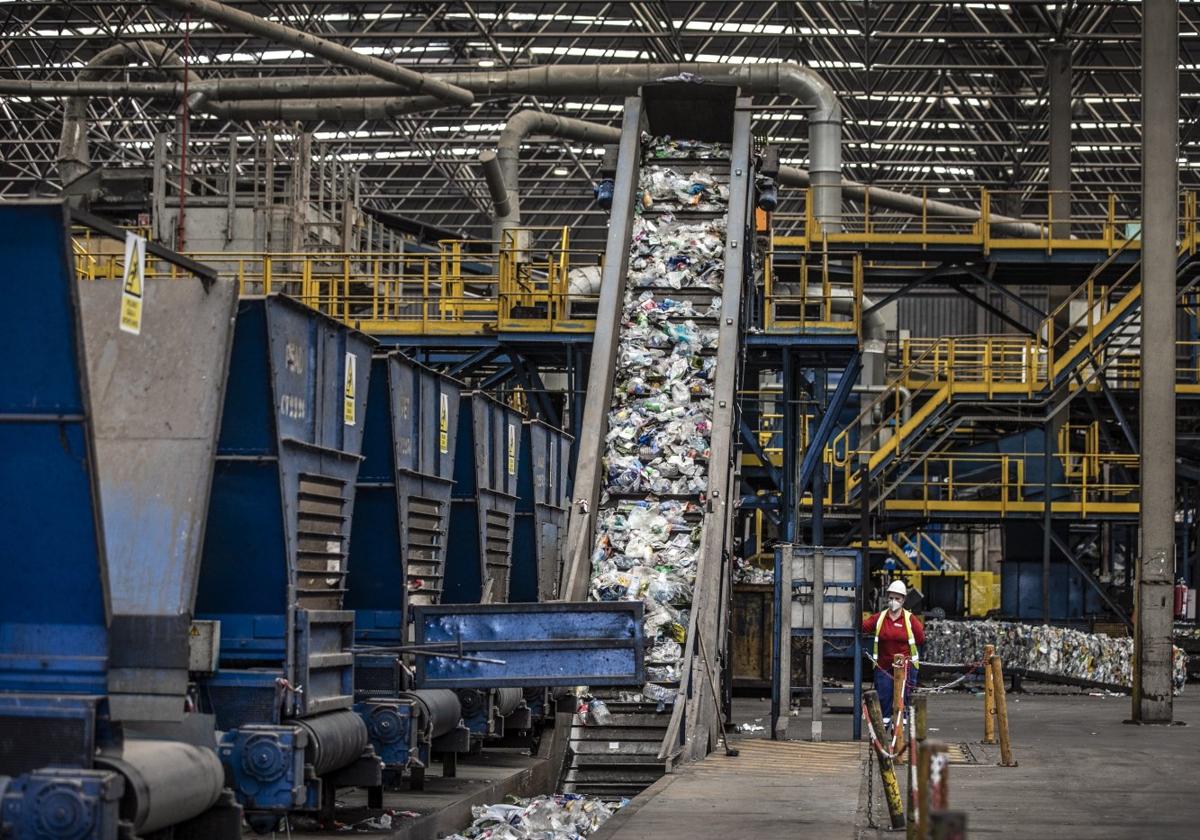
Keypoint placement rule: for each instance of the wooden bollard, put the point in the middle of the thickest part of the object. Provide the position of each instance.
(921, 800)
(887, 770)
(934, 793)
(997, 669)
(918, 731)
(898, 701)
(989, 697)
(939, 777)
(948, 825)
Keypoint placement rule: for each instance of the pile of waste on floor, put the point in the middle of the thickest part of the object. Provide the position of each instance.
(566, 816)
(1042, 650)
(747, 571)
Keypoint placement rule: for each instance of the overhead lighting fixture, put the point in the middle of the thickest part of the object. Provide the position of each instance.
(943, 189)
(560, 171)
(486, 62)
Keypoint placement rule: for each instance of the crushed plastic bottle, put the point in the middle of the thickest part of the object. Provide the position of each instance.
(561, 817)
(598, 713)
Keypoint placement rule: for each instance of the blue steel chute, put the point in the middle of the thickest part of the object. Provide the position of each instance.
(107, 438)
(398, 557)
(275, 560)
(483, 511)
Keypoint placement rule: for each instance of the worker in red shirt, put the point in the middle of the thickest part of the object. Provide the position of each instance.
(895, 631)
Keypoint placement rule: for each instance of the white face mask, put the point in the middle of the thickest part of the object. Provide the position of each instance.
(894, 604)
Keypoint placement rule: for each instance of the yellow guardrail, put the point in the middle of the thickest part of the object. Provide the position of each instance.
(935, 370)
(997, 483)
(922, 544)
(515, 288)
(450, 291)
(813, 292)
(765, 408)
(932, 226)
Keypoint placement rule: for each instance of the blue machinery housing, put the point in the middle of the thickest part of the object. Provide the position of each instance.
(179, 509)
(398, 550)
(484, 501)
(98, 571)
(398, 556)
(275, 559)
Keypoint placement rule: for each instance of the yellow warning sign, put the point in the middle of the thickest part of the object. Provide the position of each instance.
(512, 449)
(349, 402)
(444, 424)
(134, 284)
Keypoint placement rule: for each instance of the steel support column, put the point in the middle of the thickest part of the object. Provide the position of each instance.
(1050, 430)
(789, 503)
(1058, 73)
(1152, 701)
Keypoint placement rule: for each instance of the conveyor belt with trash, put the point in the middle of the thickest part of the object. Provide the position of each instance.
(660, 522)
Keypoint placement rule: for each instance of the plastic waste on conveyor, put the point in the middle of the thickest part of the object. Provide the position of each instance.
(655, 457)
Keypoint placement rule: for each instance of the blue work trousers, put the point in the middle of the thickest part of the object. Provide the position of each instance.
(884, 684)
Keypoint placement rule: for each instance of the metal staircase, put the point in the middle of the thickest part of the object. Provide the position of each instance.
(622, 759)
(921, 412)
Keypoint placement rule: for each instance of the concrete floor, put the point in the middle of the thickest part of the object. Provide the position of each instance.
(1081, 772)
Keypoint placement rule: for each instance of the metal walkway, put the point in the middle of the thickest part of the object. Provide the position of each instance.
(771, 789)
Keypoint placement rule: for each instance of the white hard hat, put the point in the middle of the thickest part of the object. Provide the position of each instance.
(898, 587)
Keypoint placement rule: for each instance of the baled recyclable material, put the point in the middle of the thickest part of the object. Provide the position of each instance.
(1054, 652)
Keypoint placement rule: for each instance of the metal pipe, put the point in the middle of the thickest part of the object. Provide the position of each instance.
(913, 204)
(507, 156)
(350, 97)
(78, 87)
(73, 158)
(410, 80)
(490, 162)
(329, 111)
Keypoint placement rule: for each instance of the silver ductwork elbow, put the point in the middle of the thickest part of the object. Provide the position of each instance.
(73, 158)
(505, 162)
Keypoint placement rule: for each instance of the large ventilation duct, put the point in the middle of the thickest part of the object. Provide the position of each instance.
(350, 97)
(800, 83)
(356, 98)
(73, 158)
(338, 110)
(409, 80)
(502, 167)
(501, 171)
(915, 205)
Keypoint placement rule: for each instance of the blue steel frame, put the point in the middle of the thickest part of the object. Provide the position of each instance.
(289, 414)
(853, 635)
(551, 644)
